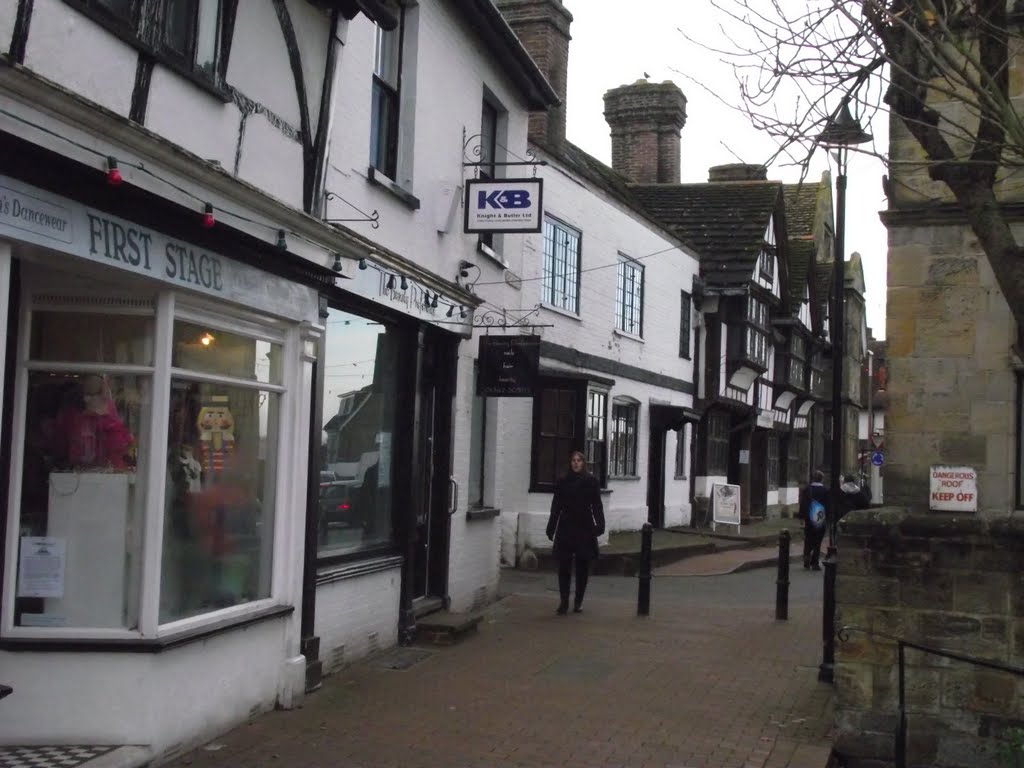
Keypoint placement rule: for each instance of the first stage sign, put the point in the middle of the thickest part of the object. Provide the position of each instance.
(953, 489)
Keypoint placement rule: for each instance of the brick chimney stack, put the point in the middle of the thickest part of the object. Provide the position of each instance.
(737, 172)
(542, 26)
(645, 121)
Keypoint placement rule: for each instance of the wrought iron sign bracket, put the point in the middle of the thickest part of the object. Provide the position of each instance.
(472, 147)
(373, 218)
(504, 318)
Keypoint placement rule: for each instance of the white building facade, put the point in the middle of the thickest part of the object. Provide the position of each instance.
(607, 291)
(229, 252)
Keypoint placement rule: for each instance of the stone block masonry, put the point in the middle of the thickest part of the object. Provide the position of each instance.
(954, 583)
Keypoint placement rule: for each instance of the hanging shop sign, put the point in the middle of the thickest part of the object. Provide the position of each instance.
(504, 205)
(953, 489)
(508, 366)
(36, 216)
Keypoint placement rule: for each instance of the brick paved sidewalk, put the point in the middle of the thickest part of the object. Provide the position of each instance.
(701, 683)
(720, 563)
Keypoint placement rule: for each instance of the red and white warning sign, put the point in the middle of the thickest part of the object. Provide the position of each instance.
(953, 489)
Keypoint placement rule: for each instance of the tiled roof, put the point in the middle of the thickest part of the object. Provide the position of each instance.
(801, 209)
(605, 178)
(724, 221)
(801, 256)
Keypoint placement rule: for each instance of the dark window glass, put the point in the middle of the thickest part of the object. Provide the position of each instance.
(122, 9)
(384, 108)
(596, 438)
(488, 153)
(179, 26)
(362, 368)
(555, 434)
(682, 465)
(773, 462)
(718, 443)
(623, 450)
(561, 274)
(629, 298)
(685, 310)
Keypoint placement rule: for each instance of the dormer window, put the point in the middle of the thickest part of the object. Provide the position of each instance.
(766, 265)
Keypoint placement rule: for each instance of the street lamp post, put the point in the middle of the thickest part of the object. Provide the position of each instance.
(842, 131)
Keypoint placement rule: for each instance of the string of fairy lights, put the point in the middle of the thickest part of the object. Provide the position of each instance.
(208, 213)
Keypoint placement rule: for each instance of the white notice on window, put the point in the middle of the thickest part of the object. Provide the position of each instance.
(41, 569)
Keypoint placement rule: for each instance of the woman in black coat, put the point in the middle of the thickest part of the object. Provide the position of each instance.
(576, 520)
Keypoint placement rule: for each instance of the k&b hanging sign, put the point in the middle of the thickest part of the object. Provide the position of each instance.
(504, 205)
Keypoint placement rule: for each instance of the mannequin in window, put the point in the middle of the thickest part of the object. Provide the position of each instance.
(88, 430)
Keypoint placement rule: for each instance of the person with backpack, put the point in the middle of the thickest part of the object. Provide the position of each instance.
(814, 514)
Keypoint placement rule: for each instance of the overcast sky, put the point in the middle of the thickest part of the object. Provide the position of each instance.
(614, 45)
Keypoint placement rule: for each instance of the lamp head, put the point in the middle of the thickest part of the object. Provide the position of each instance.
(843, 130)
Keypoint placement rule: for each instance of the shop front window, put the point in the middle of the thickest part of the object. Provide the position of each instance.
(83, 468)
(221, 456)
(362, 369)
(93, 535)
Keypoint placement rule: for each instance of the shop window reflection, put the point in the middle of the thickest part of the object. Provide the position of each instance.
(82, 500)
(361, 370)
(218, 527)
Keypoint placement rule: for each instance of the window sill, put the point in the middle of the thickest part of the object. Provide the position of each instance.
(560, 311)
(630, 336)
(377, 178)
(350, 570)
(491, 254)
(625, 478)
(482, 513)
(331, 558)
(681, 477)
(146, 645)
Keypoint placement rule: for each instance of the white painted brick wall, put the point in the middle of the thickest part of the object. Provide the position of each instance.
(357, 615)
(608, 229)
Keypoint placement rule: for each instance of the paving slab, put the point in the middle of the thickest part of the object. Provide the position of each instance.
(709, 680)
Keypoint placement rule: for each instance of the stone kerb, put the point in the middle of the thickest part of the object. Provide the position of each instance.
(950, 582)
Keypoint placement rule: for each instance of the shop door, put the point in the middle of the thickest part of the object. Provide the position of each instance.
(432, 490)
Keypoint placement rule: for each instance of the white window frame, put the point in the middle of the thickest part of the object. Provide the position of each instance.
(169, 307)
(629, 297)
(560, 273)
(631, 446)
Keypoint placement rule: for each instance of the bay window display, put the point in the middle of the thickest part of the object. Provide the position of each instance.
(95, 548)
(362, 368)
(87, 383)
(221, 438)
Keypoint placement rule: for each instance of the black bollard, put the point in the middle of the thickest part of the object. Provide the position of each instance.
(828, 617)
(782, 582)
(643, 600)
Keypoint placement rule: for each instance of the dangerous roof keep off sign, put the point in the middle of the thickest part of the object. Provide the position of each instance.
(953, 489)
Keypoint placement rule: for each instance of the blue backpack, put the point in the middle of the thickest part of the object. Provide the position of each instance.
(816, 513)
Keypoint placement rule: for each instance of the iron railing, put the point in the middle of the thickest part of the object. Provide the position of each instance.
(901, 646)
